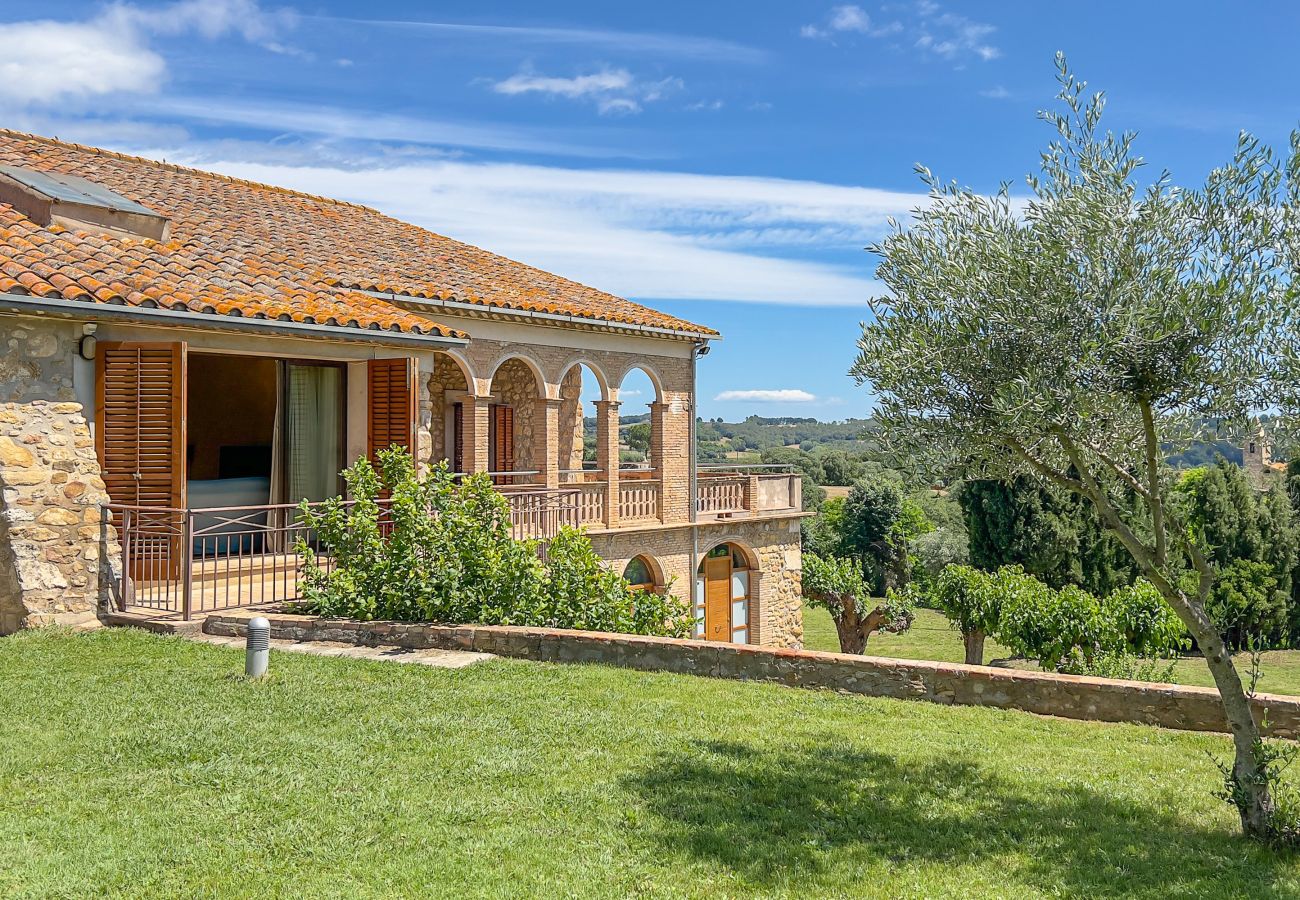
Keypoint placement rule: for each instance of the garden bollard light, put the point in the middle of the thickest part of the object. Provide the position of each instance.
(257, 648)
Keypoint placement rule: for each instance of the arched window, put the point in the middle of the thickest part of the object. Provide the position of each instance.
(640, 574)
(723, 589)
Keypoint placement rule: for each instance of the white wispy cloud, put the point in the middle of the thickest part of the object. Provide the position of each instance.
(611, 90)
(924, 25)
(654, 43)
(784, 395)
(642, 234)
(46, 62)
(346, 124)
(996, 93)
(849, 19)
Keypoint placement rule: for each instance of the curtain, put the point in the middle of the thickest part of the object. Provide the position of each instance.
(313, 441)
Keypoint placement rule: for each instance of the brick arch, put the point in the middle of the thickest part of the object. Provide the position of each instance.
(657, 576)
(596, 370)
(544, 387)
(461, 362)
(656, 380)
(750, 556)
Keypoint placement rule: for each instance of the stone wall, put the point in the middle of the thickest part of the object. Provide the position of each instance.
(776, 604)
(1068, 696)
(516, 386)
(58, 555)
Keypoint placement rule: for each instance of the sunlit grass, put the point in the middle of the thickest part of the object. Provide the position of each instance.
(135, 765)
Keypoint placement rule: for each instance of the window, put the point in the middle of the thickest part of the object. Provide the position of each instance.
(640, 574)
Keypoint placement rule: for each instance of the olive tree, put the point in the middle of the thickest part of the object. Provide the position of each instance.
(1075, 334)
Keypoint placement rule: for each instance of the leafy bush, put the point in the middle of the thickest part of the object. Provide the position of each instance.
(1124, 666)
(1071, 628)
(1246, 604)
(443, 552)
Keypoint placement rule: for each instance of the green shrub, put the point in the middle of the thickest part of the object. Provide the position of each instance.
(443, 552)
(1247, 606)
(973, 604)
(1071, 627)
(1124, 666)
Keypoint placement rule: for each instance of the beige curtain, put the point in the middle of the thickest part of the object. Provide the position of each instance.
(313, 442)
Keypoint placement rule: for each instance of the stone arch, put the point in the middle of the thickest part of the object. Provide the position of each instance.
(571, 457)
(658, 582)
(450, 380)
(535, 367)
(516, 441)
(751, 558)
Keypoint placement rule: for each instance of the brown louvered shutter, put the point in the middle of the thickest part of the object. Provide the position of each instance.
(140, 439)
(503, 442)
(392, 404)
(140, 422)
(458, 437)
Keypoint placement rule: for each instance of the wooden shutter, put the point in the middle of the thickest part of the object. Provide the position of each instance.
(392, 404)
(458, 437)
(140, 439)
(503, 442)
(140, 422)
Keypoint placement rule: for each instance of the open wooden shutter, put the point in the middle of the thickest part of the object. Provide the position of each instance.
(392, 404)
(140, 439)
(458, 437)
(140, 422)
(503, 442)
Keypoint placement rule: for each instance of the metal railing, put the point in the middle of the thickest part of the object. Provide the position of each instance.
(191, 561)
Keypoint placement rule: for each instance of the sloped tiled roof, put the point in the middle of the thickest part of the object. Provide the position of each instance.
(252, 250)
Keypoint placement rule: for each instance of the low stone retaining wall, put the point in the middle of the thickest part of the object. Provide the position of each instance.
(1068, 696)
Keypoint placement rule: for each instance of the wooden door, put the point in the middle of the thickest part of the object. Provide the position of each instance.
(717, 598)
(392, 405)
(140, 439)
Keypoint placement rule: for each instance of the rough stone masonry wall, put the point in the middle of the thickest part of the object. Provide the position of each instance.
(57, 554)
(518, 388)
(1068, 696)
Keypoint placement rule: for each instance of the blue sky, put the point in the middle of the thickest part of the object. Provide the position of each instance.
(725, 161)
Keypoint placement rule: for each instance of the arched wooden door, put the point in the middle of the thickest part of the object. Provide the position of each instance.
(723, 594)
(717, 598)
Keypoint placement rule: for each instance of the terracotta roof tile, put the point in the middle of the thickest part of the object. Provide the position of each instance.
(260, 251)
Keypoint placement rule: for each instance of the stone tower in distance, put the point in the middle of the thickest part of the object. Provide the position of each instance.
(1256, 455)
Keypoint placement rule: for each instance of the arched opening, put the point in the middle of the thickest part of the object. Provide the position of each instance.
(642, 574)
(449, 385)
(724, 586)
(514, 438)
(581, 387)
(639, 436)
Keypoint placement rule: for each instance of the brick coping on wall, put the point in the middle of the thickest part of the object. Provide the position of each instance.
(1044, 693)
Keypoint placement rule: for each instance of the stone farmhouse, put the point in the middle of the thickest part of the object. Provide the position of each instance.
(187, 356)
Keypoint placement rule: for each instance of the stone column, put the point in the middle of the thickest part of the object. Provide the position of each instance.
(546, 434)
(607, 455)
(474, 434)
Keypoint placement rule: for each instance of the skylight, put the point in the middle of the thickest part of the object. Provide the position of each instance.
(53, 197)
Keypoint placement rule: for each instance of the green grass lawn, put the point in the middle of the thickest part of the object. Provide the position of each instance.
(137, 765)
(931, 637)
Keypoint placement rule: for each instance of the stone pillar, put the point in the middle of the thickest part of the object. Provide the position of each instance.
(423, 450)
(474, 434)
(607, 456)
(58, 554)
(546, 449)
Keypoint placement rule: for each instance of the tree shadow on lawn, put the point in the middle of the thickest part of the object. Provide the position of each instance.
(775, 816)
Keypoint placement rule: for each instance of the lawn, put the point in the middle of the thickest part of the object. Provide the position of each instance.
(931, 637)
(137, 765)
